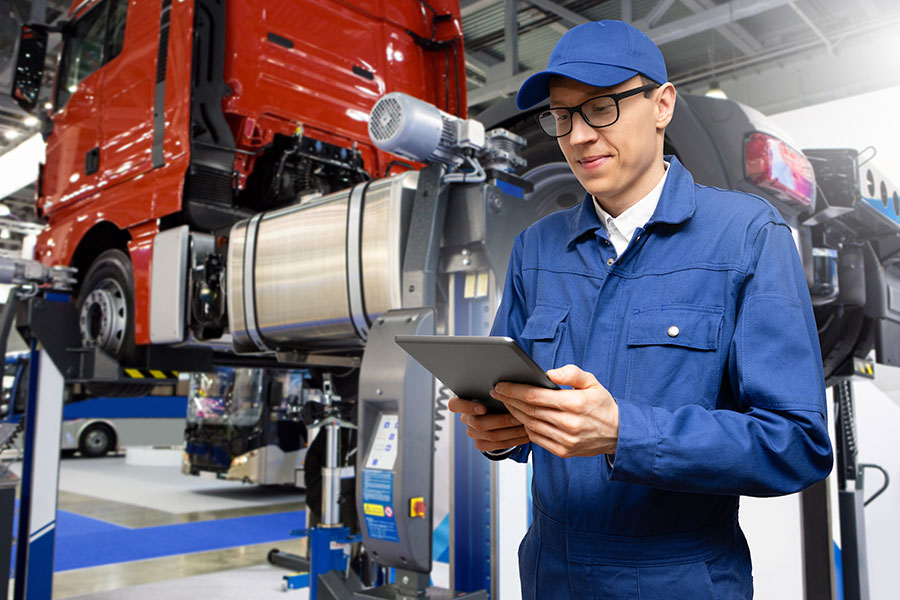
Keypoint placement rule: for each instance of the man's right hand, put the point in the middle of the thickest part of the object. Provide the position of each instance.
(490, 432)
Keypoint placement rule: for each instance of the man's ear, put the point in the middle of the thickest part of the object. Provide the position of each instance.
(665, 104)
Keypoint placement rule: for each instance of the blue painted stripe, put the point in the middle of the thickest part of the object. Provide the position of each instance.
(38, 580)
(147, 407)
(441, 541)
(23, 550)
(47, 527)
(103, 545)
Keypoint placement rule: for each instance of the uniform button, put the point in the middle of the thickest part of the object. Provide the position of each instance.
(610, 261)
(673, 331)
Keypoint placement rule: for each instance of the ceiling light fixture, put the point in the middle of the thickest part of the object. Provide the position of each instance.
(31, 121)
(715, 91)
(10, 134)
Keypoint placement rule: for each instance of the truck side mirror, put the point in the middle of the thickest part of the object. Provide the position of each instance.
(29, 67)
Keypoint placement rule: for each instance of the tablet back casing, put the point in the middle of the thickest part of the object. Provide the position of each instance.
(471, 365)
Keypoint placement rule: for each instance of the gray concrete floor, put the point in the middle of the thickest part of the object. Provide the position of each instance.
(140, 496)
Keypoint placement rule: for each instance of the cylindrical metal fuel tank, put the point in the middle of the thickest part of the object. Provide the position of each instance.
(316, 275)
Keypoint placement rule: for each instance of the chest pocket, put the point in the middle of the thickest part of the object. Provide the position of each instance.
(545, 329)
(672, 356)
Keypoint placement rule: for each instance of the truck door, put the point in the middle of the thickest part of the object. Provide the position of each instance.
(126, 121)
(73, 149)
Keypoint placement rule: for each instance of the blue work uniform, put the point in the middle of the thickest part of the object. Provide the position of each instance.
(703, 332)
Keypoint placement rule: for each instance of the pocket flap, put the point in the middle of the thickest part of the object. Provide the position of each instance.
(687, 326)
(543, 322)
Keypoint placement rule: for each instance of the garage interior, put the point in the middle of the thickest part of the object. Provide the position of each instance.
(136, 520)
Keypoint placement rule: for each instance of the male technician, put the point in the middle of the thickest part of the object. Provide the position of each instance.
(686, 311)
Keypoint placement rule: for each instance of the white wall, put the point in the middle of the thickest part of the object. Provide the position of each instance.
(853, 122)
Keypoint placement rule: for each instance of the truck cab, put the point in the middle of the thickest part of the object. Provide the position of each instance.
(199, 114)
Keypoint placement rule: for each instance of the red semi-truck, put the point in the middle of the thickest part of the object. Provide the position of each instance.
(205, 112)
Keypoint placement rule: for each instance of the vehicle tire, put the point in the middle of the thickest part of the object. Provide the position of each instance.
(105, 308)
(555, 186)
(96, 440)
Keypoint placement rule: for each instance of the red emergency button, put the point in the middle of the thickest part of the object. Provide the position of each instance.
(417, 507)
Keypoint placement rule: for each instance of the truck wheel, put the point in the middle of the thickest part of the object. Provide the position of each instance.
(555, 187)
(106, 317)
(96, 441)
(106, 305)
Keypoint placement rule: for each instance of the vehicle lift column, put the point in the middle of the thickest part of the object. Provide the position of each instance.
(47, 319)
(820, 580)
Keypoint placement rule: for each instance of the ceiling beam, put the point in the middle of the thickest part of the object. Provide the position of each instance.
(474, 7)
(511, 38)
(627, 11)
(500, 88)
(735, 33)
(658, 11)
(710, 19)
(570, 17)
(811, 25)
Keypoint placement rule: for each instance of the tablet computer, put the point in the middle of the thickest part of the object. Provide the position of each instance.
(471, 365)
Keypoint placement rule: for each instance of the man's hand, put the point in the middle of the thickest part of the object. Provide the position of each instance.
(490, 432)
(583, 421)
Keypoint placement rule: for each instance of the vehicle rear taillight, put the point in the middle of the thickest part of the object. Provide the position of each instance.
(774, 166)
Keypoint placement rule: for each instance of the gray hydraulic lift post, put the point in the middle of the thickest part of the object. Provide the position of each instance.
(395, 469)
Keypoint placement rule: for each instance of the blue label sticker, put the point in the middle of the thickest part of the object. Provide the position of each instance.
(378, 494)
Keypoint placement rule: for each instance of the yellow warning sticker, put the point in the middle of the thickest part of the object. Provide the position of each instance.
(376, 510)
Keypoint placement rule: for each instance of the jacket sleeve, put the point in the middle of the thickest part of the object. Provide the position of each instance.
(776, 440)
(510, 319)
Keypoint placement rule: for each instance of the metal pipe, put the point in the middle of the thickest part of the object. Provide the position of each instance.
(331, 477)
(331, 471)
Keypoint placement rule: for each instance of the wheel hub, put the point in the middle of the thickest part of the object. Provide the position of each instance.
(96, 440)
(103, 317)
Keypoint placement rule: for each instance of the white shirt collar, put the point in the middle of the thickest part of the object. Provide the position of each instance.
(621, 229)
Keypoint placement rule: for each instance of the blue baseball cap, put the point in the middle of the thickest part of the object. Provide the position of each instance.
(601, 54)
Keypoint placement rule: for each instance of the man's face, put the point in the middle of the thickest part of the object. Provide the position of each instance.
(621, 163)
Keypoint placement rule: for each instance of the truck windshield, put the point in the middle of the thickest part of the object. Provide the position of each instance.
(226, 397)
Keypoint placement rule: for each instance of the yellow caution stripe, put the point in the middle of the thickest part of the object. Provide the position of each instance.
(864, 368)
(151, 374)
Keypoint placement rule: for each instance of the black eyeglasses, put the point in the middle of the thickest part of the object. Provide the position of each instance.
(601, 111)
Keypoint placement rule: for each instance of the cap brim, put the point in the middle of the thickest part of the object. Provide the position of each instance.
(537, 87)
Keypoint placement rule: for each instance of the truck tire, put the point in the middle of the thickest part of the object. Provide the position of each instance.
(105, 308)
(555, 186)
(96, 440)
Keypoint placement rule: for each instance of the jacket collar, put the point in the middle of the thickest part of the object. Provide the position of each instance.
(676, 204)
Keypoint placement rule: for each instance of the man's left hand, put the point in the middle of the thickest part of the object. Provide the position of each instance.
(582, 421)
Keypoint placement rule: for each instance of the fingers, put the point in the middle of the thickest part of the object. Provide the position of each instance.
(489, 446)
(465, 407)
(490, 422)
(551, 445)
(528, 393)
(572, 376)
(544, 428)
(498, 435)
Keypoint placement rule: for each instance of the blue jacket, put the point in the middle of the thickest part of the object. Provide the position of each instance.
(731, 404)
